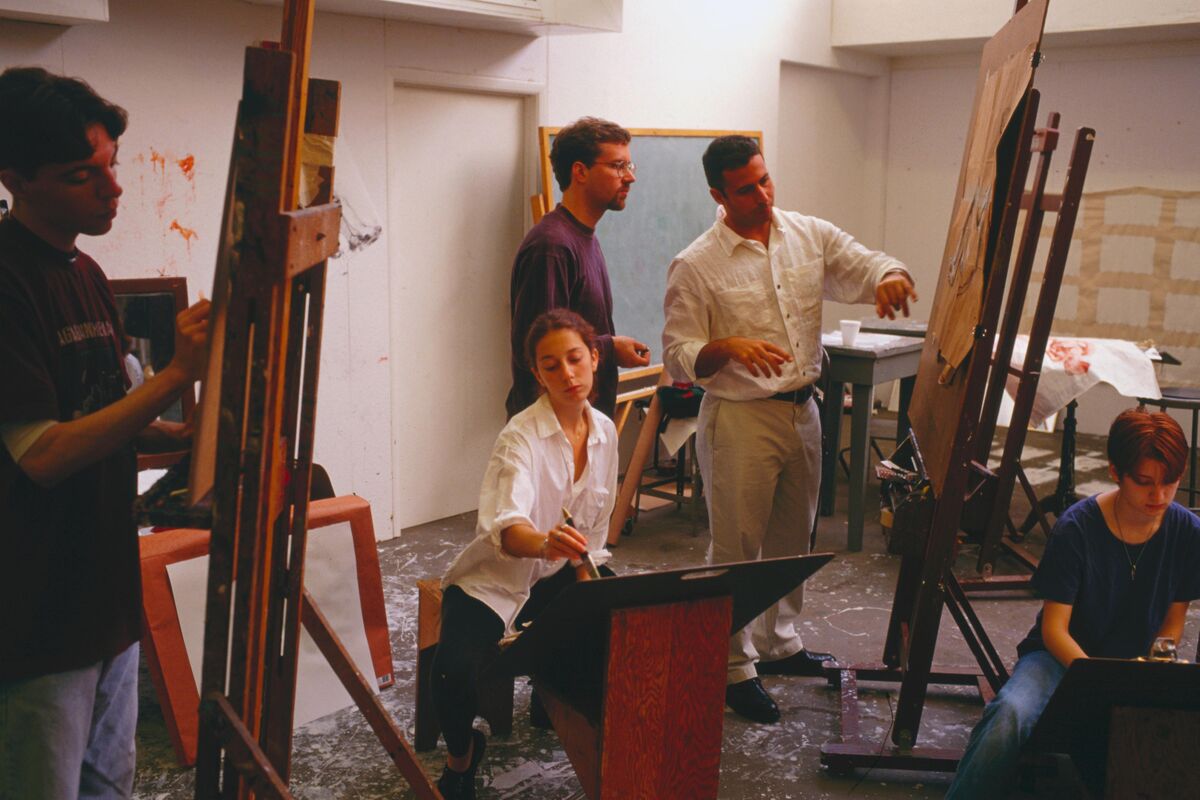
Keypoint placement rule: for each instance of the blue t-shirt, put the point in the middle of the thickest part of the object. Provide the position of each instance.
(1087, 567)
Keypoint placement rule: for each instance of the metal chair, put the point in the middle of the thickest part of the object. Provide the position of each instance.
(1187, 399)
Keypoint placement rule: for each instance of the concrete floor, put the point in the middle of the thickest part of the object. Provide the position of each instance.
(847, 608)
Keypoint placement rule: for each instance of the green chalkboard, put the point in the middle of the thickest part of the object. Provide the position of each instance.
(668, 207)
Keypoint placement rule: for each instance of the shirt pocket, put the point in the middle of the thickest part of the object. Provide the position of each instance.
(806, 286)
(745, 311)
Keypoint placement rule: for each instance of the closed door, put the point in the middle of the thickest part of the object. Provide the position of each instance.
(456, 204)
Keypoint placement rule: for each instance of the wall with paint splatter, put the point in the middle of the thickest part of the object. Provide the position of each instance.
(176, 66)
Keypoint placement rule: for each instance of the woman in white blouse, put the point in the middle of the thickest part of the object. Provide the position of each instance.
(558, 454)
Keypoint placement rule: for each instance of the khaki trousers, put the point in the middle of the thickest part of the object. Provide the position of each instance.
(761, 464)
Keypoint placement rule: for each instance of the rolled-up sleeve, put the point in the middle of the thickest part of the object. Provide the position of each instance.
(508, 492)
(686, 324)
(852, 270)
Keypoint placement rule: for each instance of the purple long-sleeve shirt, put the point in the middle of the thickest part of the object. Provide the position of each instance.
(560, 265)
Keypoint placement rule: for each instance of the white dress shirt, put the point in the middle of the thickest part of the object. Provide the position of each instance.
(723, 285)
(530, 479)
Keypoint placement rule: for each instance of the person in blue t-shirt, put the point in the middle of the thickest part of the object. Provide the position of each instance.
(1119, 571)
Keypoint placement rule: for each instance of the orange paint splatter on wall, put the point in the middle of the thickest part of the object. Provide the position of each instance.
(158, 161)
(187, 165)
(187, 233)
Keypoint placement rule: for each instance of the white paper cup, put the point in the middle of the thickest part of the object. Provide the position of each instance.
(850, 331)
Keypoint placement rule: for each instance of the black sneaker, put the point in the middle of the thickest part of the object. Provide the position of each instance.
(461, 785)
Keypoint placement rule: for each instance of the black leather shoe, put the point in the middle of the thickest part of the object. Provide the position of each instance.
(461, 785)
(803, 662)
(749, 699)
(538, 717)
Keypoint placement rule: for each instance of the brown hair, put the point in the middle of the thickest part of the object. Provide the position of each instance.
(1137, 434)
(556, 319)
(44, 119)
(580, 141)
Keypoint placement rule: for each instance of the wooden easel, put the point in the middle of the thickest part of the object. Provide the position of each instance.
(960, 480)
(999, 530)
(268, 390)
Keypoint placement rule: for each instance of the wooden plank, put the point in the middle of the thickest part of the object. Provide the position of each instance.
(243, 754)
(1153, 752)
(637, 463)
(297, 40)
(308, 236)
(368, 702)
(665, 674)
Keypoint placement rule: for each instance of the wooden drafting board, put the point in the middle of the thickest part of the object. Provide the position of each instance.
(1084, 719)
(980, 234)
(955, 393)
(632, 670)
(267, 401)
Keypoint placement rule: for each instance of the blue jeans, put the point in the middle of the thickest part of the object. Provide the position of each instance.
(990, 761)
(71, 734)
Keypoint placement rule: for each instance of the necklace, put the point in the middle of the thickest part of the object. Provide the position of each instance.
(1121, 535)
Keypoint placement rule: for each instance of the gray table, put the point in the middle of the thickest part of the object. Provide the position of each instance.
(862, 368)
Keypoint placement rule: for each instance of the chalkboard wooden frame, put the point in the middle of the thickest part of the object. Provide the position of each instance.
(638, 266)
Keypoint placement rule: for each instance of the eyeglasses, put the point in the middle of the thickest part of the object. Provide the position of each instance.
(622, 167)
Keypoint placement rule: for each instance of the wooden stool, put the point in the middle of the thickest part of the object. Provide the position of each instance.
(162, 638)
(495, 691)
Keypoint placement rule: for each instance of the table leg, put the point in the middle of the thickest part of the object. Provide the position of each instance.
(831, 430)
(860, 435)
(902, 423)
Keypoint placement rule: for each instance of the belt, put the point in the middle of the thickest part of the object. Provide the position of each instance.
(796, 396)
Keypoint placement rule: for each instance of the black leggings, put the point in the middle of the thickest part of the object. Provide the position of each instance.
(469, 641)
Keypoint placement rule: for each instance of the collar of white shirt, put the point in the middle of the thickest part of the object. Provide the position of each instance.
(546, 422)
(729, 239)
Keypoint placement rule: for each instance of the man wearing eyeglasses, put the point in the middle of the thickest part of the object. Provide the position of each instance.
(743, 320)
(560, 264)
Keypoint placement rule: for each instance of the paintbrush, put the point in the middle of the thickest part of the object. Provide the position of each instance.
(586, 558)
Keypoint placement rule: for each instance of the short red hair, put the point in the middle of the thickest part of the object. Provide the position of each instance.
(1138, 434)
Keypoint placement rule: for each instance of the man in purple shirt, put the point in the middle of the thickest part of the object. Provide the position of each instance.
(560, 265)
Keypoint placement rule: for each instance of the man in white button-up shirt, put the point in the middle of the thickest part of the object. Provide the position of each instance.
(743, 320)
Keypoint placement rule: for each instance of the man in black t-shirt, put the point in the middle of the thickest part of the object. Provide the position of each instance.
(69, 576)
(1119, 571)
(560, 265)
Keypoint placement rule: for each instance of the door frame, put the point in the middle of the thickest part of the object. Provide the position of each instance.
(532, 93)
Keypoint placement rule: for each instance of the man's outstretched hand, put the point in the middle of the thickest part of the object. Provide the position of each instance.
(892, 295)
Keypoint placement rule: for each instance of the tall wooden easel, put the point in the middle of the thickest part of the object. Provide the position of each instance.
(954, 458)
(271, 324)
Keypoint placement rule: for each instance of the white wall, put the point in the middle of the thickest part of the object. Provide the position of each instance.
(832, 149)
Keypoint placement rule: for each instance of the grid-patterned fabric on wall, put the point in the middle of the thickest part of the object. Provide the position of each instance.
(1133, 272)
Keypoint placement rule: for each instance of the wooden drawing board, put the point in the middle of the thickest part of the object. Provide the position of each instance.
(1077, 720)
(575, 623)
(975, 238)
(668, 207)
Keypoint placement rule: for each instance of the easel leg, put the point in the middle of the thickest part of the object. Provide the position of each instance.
(367, 701)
